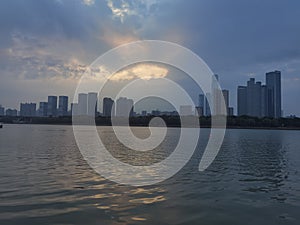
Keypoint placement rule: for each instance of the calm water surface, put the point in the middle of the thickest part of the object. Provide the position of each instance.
(44, 180)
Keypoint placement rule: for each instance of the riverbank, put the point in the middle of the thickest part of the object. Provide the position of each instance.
(233, 122)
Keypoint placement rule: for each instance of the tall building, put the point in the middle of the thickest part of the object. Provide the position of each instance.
(254, 98)
(273, 85)
(92, 104)
(52, 106)
(108, 105)
(82, 104)
(124, 107)
(27, 109)
(229, 110)
(200, 109)
(215, 108)
(201, 100)
(11, 112)
(226, 97)
(43, 109)
(74, 109)
(63, 102)
(242, 100)
(1, 110)
(207, 106)
(261, 100)
(264, 101)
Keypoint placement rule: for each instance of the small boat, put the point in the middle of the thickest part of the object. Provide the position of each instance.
(1, 125)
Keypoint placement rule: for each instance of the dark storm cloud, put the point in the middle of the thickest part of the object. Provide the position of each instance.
(47, 18)
(236, 32)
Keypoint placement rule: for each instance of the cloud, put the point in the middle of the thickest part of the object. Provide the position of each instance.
(33, 58)
(114, 38)
(140, 71)
(88, 2)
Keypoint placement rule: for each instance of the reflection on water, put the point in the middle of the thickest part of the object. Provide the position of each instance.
(44, 180)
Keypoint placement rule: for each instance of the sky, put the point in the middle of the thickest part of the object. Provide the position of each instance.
(45, 46)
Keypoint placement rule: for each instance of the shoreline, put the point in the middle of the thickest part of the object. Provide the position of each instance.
(169, 126)
(233, 122)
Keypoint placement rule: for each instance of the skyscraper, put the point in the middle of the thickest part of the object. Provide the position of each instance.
(264, 101)
(11, 112)
(28, 109)
(108, 105)
(207, 105)
(242, 100)
(124, 107)
(92, 104)
(52, 106)
(201, 100)
(261, 100)
(253, 98)
(43, 109)
(74, 109)
(82, 104)
(273, 83)
(226, 97)
(63, 105)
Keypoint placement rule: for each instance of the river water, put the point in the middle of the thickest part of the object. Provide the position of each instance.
(44, 179)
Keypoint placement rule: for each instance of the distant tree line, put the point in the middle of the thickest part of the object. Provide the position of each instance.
(170, 121)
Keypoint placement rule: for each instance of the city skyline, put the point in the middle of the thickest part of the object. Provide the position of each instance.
(255, 99)
(40, 55)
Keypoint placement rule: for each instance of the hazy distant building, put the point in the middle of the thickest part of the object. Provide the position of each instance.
(43, 109)
(155, 112)
(242, 100)
(108, 107)
(230, 111)
(27, 109)
(264, 101)
(215, 107)
(124, 107)
(74, 109)
(273, 85)
(226, 97)
(52, 106)
(207, 106)
(260, 100)
(1, 110)
(185, 110)
(199, 111)
(63, 102)
(254, 98)
(201, 100)
(82, 104)
(92, 104)
(11, 112)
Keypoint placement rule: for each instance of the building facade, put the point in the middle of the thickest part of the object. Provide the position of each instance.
(11, 112)
(273, 85)
(28, 109)
(52, 106)
(63, 102)
(43, 109)
(108, 107)
(82, 104)
(260, 100)
(124, 107)
(92, 104)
